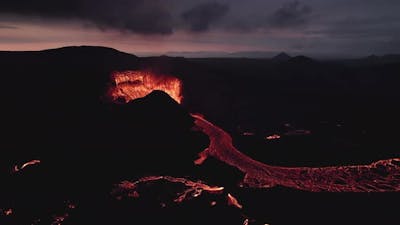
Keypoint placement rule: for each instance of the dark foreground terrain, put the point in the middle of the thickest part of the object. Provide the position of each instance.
(55, 109)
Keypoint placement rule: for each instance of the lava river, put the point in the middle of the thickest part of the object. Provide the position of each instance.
(380, 176)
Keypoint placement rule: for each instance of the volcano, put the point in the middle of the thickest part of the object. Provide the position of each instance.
(136, 140)
(282, 57)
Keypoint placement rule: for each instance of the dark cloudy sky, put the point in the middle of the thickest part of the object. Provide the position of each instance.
(313, 27)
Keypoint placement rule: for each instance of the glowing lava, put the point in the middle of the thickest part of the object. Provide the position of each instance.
(381, 176)
(27, 164)
(130, 85)
(194, 188)
(233, 201)
(6, 212)
(273, 137)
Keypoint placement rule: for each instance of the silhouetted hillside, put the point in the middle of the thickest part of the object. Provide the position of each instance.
(282, 57)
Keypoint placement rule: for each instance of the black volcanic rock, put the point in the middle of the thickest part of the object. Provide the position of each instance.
(89, 153)
(151, 134)
(154, 122)
(158, 109)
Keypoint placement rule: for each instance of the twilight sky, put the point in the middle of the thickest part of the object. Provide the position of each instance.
(324, 28)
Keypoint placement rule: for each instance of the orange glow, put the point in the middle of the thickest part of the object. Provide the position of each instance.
(59, 220)
(8, 212)
(131, 85)
(71, 206)
(30, 163)
(194, 188)
(62, 217)
(201, 159)
(234, 202)
(355, 178)
(273, 137)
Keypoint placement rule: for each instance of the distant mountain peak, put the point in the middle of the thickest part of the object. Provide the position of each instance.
(283, 56)
(301, 59)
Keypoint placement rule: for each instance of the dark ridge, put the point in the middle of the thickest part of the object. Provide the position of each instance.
(86, 48)
(373, 60)
(394, 57)
(68, 72)
(301, 59)
(281, 57)
(76, 51)
(158, 109)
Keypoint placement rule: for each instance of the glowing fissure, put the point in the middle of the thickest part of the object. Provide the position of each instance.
(130, 85)
(6, 212)
(59, 220)
(193, 188)
(273, 137)
(381, 176)
(27, 164)
(233, 201)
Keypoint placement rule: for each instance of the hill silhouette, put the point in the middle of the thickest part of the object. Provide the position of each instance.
(282, 57)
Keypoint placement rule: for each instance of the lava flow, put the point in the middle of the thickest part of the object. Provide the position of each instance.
(27, 164)
(194, 189)
(130, 85)
(381, 176)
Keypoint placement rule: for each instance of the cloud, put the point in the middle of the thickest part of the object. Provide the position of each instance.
(7, 27)
(137, 16)
(200, 17)
(365, 27)
(291, 14)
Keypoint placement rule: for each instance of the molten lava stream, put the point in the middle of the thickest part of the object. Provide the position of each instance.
(363, 178)
(381, 176)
